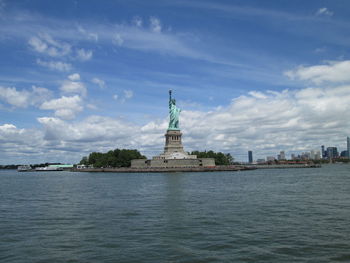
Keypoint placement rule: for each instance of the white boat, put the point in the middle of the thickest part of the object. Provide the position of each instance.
(24, 168)
(48, 168)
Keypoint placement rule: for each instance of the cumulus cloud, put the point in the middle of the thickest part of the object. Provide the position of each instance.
(84, 55)
(99, 82)
(287, 120)
(55, 65)
(333, 72)
(93, 129)
(8, 128)
(74, 77)
(324, 11)
(155, 24)
(38, 95)
(64, 107)
(45, 44)
(19, 145)
(73, 85)
(24, 98)
(14, 97)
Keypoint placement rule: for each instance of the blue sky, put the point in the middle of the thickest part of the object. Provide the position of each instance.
(82, 76)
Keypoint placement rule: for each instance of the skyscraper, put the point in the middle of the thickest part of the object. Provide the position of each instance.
(348, 146)
(323, 152)
(332, 152)
(250, 156)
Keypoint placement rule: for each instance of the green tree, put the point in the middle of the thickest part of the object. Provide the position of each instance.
(219, 157)
(113, 158)
(84, 161)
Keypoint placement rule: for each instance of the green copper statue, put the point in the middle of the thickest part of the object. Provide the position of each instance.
(174, 113)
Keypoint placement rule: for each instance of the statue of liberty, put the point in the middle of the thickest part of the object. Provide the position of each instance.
(174, 113)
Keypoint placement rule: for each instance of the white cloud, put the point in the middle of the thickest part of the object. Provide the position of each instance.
(14, 97)
(19, 143)
(24, 98)
(257, 94)
(74, 77)
(73, 85)
(38, 95)
(99, 82)
(153, 40)
(115, 96)
(64, 107)
(324, 12)
(334, 72)
(155, 24)
(7, 128)
(96, 130)
(84, 55)
(55, 65)
(129, 36)
(89, 35)
(45, 44)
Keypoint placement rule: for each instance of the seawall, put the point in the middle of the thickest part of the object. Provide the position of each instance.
(166, 170)
(283, 166)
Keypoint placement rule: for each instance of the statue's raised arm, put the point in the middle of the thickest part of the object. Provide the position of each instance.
(174, 113)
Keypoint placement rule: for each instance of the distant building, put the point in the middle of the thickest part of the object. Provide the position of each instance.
(323, 152)
(344, 154)
(260, 160)
(348, 147)
(281, 156)
(305, 156)
(315, 155)
(250, 156)
(270, 158)
(332, 152)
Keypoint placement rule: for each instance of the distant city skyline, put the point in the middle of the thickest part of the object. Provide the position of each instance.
(326, 153)
(83, 76)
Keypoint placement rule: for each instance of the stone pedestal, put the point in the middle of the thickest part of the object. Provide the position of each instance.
(173, 147)
(173, 142)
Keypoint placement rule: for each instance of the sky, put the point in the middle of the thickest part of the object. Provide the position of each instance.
(84, 76)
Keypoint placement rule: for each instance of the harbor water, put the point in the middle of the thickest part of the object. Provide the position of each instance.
(288, 215)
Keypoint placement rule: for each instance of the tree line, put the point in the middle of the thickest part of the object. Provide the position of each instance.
(113, 158)
(220, 158)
